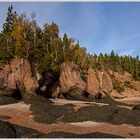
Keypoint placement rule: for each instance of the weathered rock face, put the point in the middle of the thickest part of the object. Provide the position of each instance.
(123, 77)
(18, 75)
(129, 92)
(92, 82)
(114, 94)
(99, 84)
(4, 77)
(70, 78)
(105, 81)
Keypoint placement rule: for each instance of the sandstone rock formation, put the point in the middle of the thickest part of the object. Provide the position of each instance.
(130, 92)
(99, 84)
(70, 79)
(92, 82)
(105, 81)
(17, 75)
(123, 77)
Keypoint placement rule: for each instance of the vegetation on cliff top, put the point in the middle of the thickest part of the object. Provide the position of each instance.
(22, 37)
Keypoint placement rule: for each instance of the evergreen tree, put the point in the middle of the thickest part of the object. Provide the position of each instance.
(23, 38)
(66, 47)
(7, 42)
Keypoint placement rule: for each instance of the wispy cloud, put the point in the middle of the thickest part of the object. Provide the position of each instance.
(100, 27)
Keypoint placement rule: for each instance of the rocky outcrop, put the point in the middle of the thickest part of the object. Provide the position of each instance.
(10, 130)
(105, 81)
(6, 130)
(17, 75)
(92, 82)
(70, 79)
(99, 84)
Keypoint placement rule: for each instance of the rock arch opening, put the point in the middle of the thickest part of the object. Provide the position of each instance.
(17, 94)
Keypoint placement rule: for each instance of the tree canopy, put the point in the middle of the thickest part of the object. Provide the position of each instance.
(22, 37)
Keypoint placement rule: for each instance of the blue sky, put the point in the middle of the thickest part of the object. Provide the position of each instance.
(100, 27)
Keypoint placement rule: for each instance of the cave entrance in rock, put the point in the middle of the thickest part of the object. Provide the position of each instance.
(86, 94)
(17, 94)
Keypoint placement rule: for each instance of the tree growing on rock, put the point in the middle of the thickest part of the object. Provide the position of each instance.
(22, 37)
